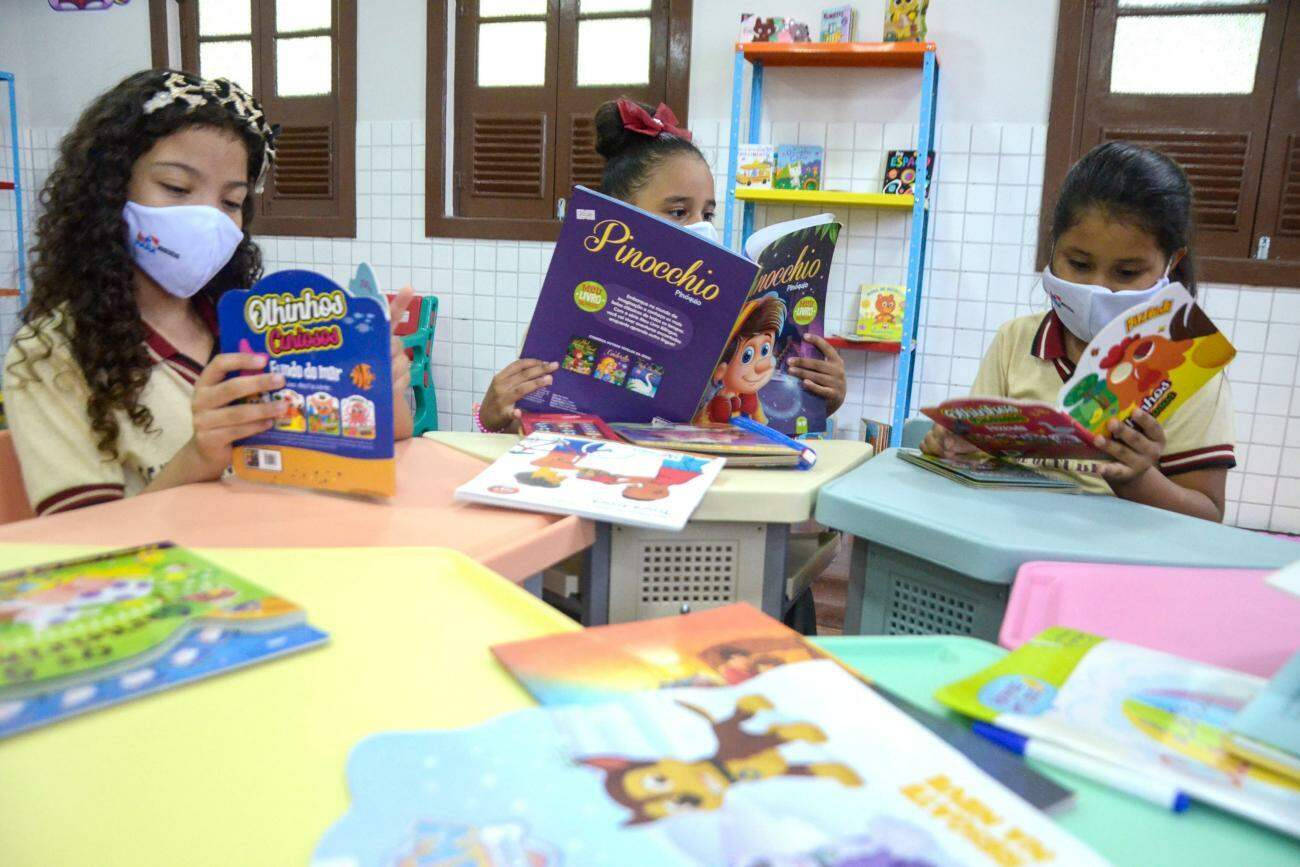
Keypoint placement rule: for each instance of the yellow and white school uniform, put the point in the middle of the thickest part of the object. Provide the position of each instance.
(1027, 361)
(47, 397)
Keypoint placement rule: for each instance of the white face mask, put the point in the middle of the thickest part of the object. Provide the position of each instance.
(704, 229)
(181, 247)
(1085, 308)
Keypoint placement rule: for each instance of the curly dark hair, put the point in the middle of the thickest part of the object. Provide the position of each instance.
(82, 281)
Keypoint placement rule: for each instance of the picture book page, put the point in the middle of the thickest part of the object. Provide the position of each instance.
(767, 772)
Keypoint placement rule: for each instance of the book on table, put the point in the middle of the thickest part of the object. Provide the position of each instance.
(1152, 357)
(649, 320)
(84, 634)
(739, 448)
(982, 471)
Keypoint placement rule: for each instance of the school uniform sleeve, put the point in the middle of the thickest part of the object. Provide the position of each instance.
(991, 378)
(45, 401)
(1201, 434)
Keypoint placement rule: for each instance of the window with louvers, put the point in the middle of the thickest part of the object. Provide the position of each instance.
(528, 76)
(1214, 85)
(298, 57)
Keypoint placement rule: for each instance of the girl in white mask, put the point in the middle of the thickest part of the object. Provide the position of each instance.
(1121, 230)
(650, 162)
(113, 385)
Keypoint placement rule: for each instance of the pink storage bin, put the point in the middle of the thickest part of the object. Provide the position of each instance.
(1226, 617)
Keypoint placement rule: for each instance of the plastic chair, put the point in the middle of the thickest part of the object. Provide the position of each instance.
(1226, 617)
(914, 430)
(13, 494)
(416, 329)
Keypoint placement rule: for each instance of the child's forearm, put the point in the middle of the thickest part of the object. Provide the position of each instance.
(403, 423)
(1154, 488)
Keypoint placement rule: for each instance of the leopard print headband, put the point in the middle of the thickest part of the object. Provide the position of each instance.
(195, 91)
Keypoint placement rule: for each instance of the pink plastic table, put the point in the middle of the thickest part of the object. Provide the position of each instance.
(236, 514)
(1226, 617)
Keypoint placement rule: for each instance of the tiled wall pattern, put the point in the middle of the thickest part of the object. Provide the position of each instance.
(979, 274)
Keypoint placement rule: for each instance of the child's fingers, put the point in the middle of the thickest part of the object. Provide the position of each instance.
(805, 365)
(398, 304)
(1148, 425)
(831, 353)
(235, 416)
(817, 389)
(528, 386)
(227, 363)
(231, 390)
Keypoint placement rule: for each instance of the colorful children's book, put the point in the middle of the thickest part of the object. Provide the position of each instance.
(905, 20)
(718, 647)
(837, 24)
(755, 165)
(740, 448)
(596, 479)
(335, 429)
(1146, 710)
(769, 772)
(798, 167)
(900, 173)
(793, 30)
(756, 28)
(1267, 731)
(1152, 357)
(786, 304)
(880, 312)
(569, 424)
(80, 635)
(648, 320)
(878, 433)
(987, 472)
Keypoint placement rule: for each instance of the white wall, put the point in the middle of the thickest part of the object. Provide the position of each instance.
(995, 63)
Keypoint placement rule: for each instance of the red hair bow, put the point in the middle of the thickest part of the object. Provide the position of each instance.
(639, 120)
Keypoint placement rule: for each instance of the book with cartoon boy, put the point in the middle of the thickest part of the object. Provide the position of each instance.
(84, 634)
(722, 646)
(801, 765)
(596, 479)
(1155, 713)
(649, 320)
(335, 429)
(1152, 357)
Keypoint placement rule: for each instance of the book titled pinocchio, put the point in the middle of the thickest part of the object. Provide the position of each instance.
(335, 426)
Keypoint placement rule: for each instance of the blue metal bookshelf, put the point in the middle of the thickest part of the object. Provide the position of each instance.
(17, 186)
(862, 55)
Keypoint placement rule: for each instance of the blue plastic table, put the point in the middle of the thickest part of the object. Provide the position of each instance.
(1123, 829)
(934, 556)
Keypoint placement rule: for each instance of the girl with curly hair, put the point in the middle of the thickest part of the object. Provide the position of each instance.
(113, 384)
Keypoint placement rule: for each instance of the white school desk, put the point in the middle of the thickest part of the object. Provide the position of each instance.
(740, 530)
(934, 556)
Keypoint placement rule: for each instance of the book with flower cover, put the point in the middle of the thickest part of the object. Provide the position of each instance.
(1152, 357)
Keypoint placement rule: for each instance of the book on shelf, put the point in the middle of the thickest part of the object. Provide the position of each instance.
(878, 433)
(1151, 712)
(798, 167)
(755, 166)
(900, 173)
(880, 312)
(723, 646)
(757, 28)
(648, 320)
(595, 479)
(837, 24)
(335, 427)
(1153, 357)
(983, 471)
(84, 634)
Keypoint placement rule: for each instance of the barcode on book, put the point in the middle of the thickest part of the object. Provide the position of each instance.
(264, 459)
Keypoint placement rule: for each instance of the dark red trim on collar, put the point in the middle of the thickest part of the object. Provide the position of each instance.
(163, 347)
(1049, 345)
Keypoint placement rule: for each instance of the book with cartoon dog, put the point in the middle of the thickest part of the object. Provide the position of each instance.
(1152, 357)
(649, 320)
(596, 479)
(772, 771)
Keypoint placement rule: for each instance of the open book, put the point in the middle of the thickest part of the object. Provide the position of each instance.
(647, 319)
(1153, 357)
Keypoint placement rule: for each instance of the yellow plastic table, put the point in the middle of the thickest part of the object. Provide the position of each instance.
(248, 767)
(746, 512)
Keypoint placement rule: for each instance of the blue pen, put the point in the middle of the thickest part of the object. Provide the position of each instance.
(1144, 786)
(807, 457)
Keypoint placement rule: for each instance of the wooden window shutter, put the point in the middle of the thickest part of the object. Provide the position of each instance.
(312, 190)
(505, 136)
(1278, 219)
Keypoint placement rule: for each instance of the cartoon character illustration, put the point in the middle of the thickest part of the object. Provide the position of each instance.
(323, 413)
(611, 368)
(292, 416)
(645, 378)
(66, 601)
(740, 659)
(1138, 364)
(748, 363)
(358, 417)
(795, 31)
(580, 357)
(764, 29)
(362, 376)
(1090, 402)
(655, 789)
(905, 20)
(886, 304)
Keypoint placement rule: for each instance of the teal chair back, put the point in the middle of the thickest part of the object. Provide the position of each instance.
(416, 333)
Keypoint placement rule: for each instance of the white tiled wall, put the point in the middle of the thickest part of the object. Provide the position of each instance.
(980, 273)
